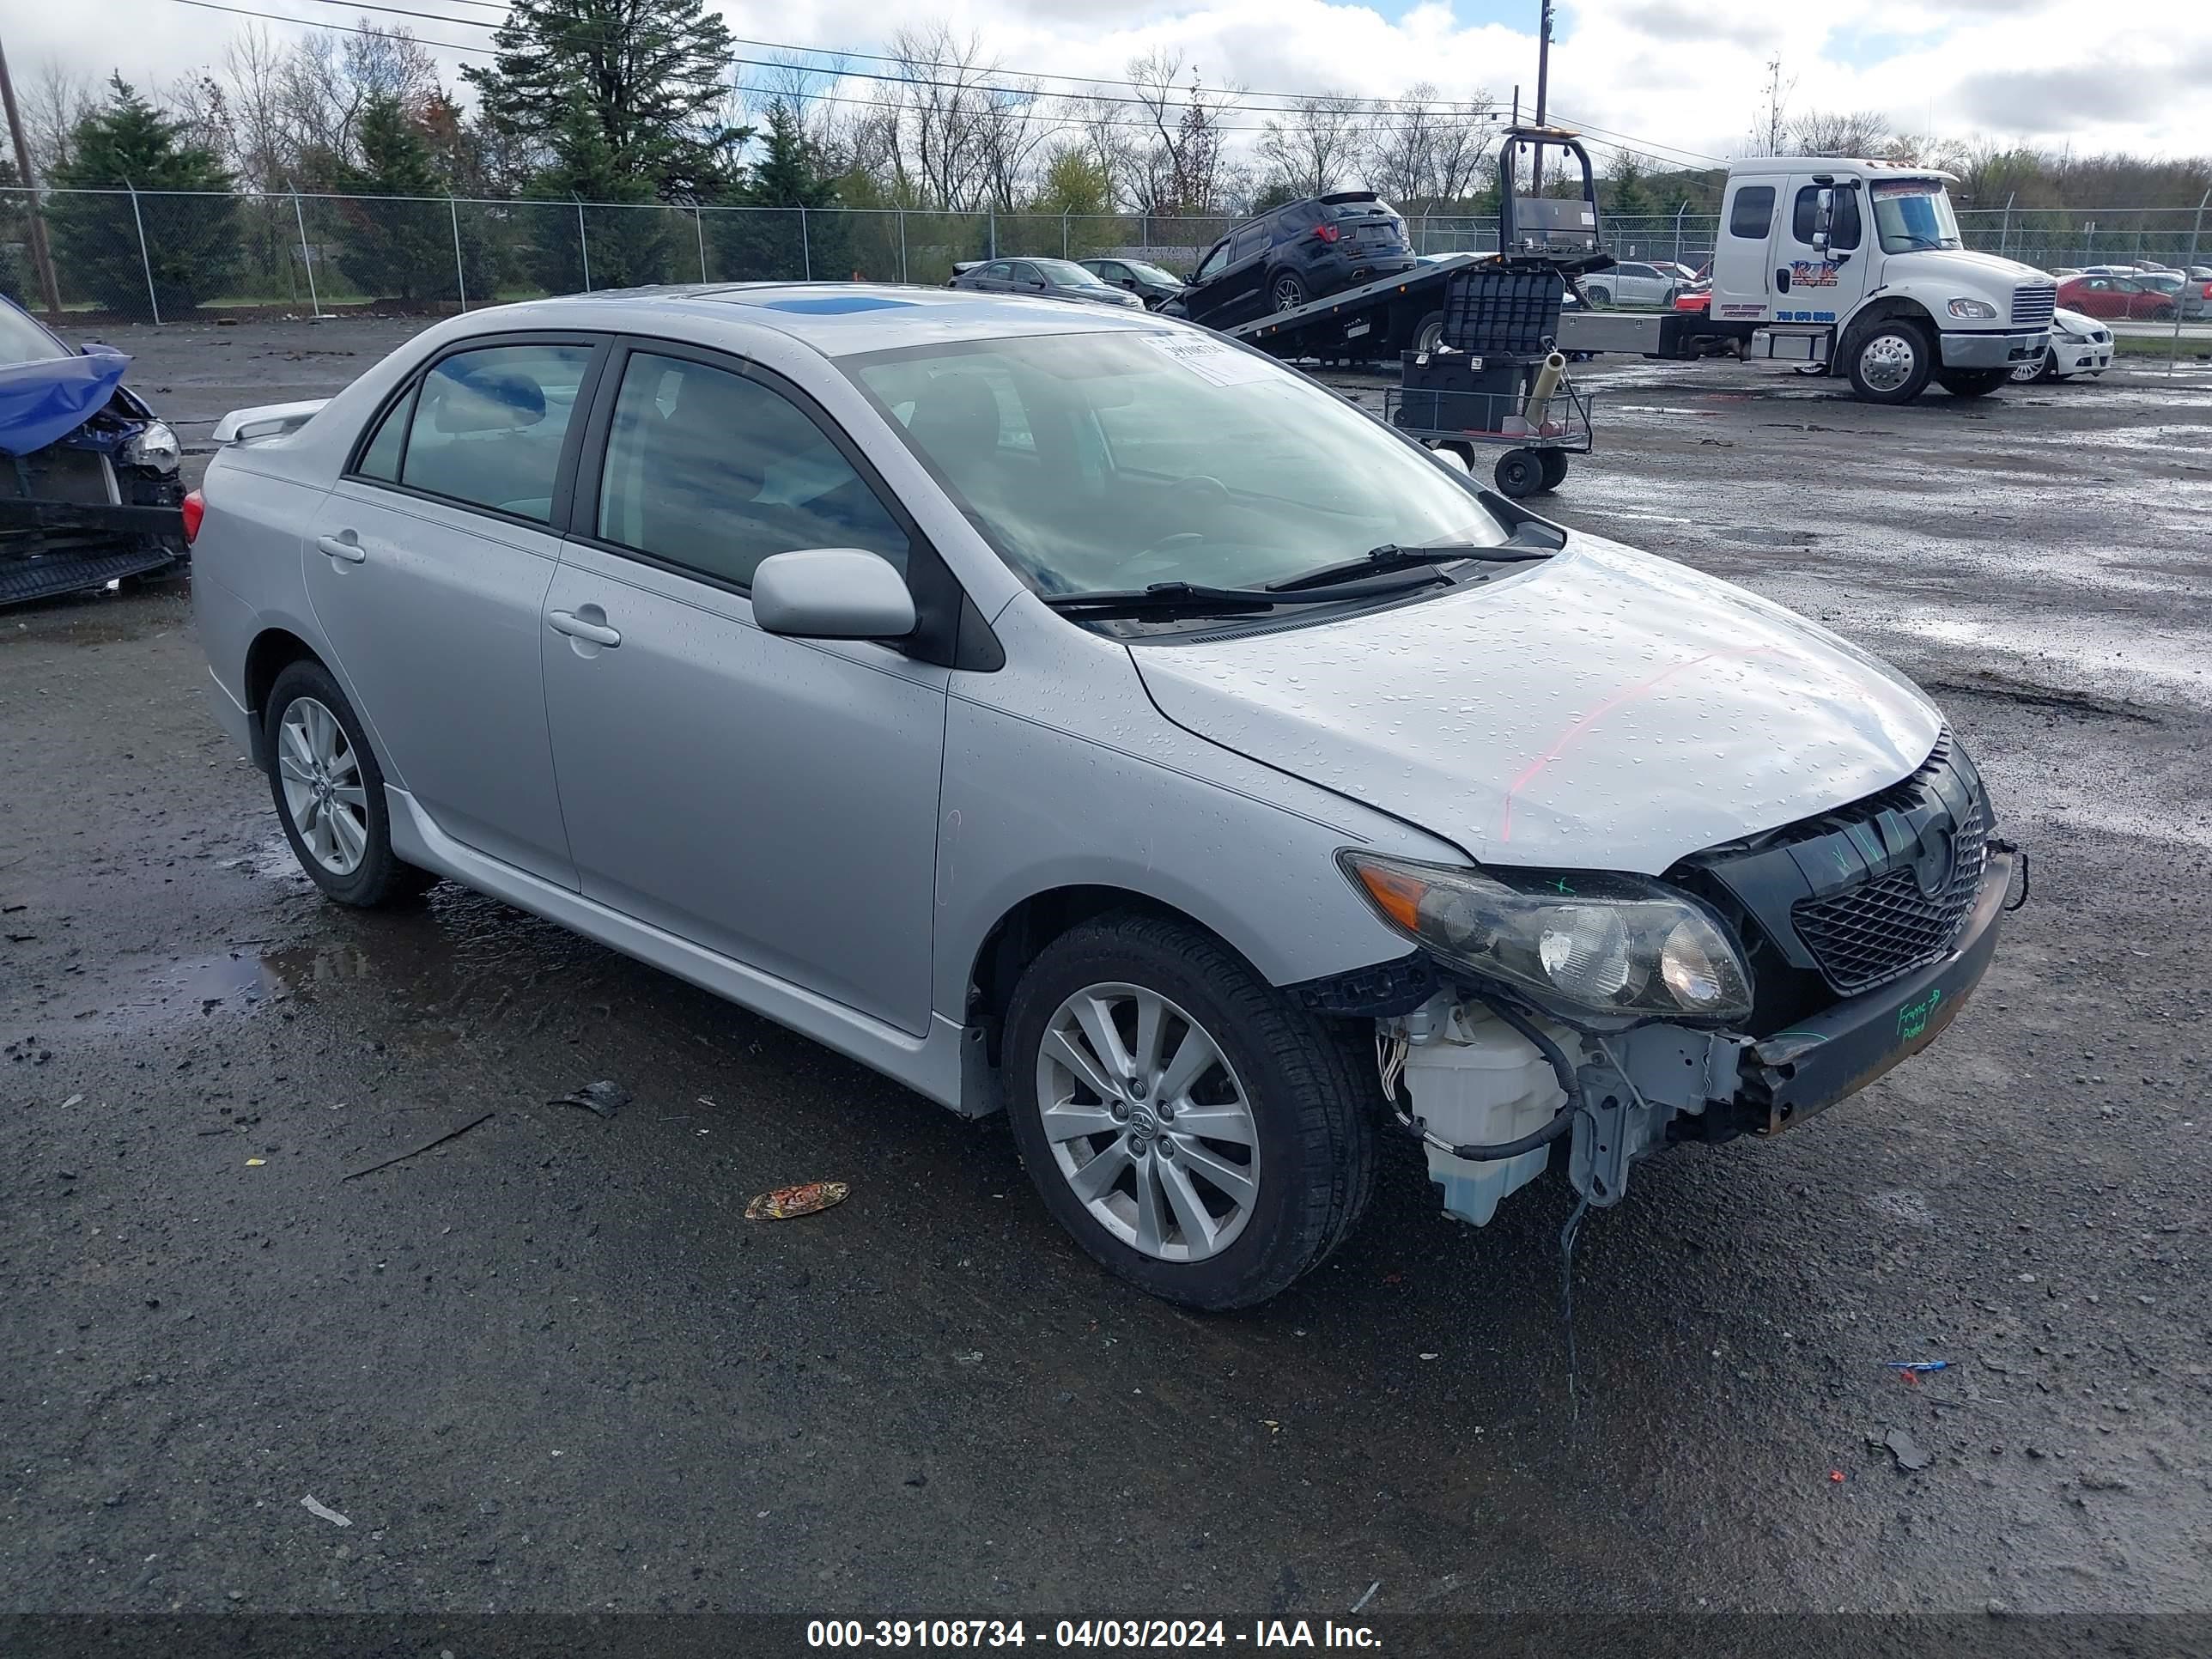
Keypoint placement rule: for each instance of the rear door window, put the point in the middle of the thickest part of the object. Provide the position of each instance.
(489, 425)
(1751, 216)
(1250, 240)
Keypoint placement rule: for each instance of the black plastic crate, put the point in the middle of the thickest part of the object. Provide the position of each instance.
(1454, 392)
(1503, 309)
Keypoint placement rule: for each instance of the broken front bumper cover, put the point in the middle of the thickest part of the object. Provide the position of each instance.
(1793, 1074)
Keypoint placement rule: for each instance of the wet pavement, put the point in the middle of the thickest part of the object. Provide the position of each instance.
(545, 1364)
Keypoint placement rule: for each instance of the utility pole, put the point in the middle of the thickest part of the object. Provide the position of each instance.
(1543, 83)
(41, 255)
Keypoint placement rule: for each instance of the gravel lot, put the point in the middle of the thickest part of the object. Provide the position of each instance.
(546, 1366)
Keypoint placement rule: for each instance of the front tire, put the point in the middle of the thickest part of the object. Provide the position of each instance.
(1554, 465)
(2029, 373)
(1972, 382)
(1196, 1131)
(1892, 362)
(330, 792)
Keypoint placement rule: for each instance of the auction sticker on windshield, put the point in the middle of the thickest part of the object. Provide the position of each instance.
(1211, 360)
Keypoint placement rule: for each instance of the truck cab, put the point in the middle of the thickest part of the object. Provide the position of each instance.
(1858, 266)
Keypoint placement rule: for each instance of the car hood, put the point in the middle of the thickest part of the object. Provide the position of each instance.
(1603, 709)
(2077, 322)
(1934, 264)
(43, 401)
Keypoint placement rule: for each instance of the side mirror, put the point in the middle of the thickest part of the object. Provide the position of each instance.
(832, 593)
(1824, 217)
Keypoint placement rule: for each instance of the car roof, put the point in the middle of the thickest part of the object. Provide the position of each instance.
(838, 320)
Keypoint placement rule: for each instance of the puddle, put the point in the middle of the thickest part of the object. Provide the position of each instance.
(238, 980)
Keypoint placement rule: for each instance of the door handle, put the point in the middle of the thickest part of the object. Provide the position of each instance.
(343, 546)
(576, 627)
(1781, 277)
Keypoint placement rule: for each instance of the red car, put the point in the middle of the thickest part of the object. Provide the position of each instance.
(2114, 297)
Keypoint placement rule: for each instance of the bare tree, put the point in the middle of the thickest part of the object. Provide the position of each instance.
(1183, 165)
(1012, 126)
(944, 83)
(55, 101)
(1310, 148)
(1770, 126)
(1832, 132)
(1118, 154)
(1420, 155)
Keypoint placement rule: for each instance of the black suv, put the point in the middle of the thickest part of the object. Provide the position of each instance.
(1292, 254)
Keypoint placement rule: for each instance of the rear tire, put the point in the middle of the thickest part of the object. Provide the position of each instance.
(1519, 472)
(1429, 335)
(1891, 362)
(1598, 295)
(1554, 465)
(1269, 1071)
(1286, 291)
(1972, 382)
(329, 792)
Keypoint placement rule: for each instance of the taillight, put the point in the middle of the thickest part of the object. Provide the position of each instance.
(195, 509)
(1326, 233)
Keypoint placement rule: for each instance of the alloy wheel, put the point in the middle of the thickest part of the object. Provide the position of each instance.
(321, 779)
(1148, 1122)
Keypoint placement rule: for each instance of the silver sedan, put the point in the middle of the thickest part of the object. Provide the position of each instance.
(1068, 712)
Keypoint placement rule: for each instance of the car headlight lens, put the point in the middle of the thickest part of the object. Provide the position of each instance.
(155, 447)
(1981, 310)
(2066, 338)
(1602, 942)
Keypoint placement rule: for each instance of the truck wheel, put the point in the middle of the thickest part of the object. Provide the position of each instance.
(1554, 464)
(1892, 362)
(2027, 374)
(1519, 473)
(1599, 296)
(1429, 334)
(1287, 292)
(1972, 382)
(1198, 1131)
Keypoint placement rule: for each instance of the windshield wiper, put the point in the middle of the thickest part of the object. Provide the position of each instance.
(1171, 599)
(1391, 557)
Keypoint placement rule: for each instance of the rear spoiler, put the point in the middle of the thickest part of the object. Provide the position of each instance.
(269, 421)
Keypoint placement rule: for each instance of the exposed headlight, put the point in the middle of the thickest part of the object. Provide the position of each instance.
(1602, 942)
(156, 446)
(2074, 339)
(1981, 310)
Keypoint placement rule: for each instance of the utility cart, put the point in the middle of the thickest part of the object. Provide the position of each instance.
(1501, 406)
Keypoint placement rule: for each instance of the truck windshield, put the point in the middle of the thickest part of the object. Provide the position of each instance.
(1913, 213)
(1108, 461)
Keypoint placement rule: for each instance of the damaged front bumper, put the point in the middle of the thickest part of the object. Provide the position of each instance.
(1474, 1081)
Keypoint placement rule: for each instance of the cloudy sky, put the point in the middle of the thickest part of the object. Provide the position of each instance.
(1684, 77)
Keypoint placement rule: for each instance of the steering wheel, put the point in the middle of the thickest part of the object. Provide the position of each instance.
(1187, 496)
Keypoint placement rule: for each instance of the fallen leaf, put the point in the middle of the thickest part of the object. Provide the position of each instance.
(804, 1199)
(255, 1163)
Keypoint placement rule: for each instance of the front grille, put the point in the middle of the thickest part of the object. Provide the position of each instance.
(1886, 926)
(2031, 306)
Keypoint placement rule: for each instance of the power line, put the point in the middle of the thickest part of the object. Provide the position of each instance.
(1229, 102)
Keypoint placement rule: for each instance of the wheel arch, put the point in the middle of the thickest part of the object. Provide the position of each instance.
(1021, 933)
(1877, 312)
(273, 651)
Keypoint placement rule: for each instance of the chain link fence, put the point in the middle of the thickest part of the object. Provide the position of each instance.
(153, 256)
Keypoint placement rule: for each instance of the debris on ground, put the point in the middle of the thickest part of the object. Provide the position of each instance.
(1917, 1367)
(1370, 1596)
(1909, 1452)
(325, 1511)
(804, 1199)
(603, 1098)
(437, 1139)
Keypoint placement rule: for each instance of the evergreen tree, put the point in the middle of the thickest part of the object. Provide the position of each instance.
(192, 242)
(615, 88)
(792, 173)
(403, 249)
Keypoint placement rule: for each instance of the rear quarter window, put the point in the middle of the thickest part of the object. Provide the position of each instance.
(1752, 215)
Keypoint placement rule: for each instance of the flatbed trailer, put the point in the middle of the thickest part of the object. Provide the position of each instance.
(1372, 322)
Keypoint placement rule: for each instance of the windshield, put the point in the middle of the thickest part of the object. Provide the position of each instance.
(22, 341)
(1111, 461)
(1062, 273)
(1913, 213)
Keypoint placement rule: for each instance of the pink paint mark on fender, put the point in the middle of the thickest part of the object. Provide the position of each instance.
(1642, 688)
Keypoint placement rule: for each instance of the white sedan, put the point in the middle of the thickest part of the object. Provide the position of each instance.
(2079, 345)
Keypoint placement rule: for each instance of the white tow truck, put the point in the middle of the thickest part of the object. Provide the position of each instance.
(1855, 267)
